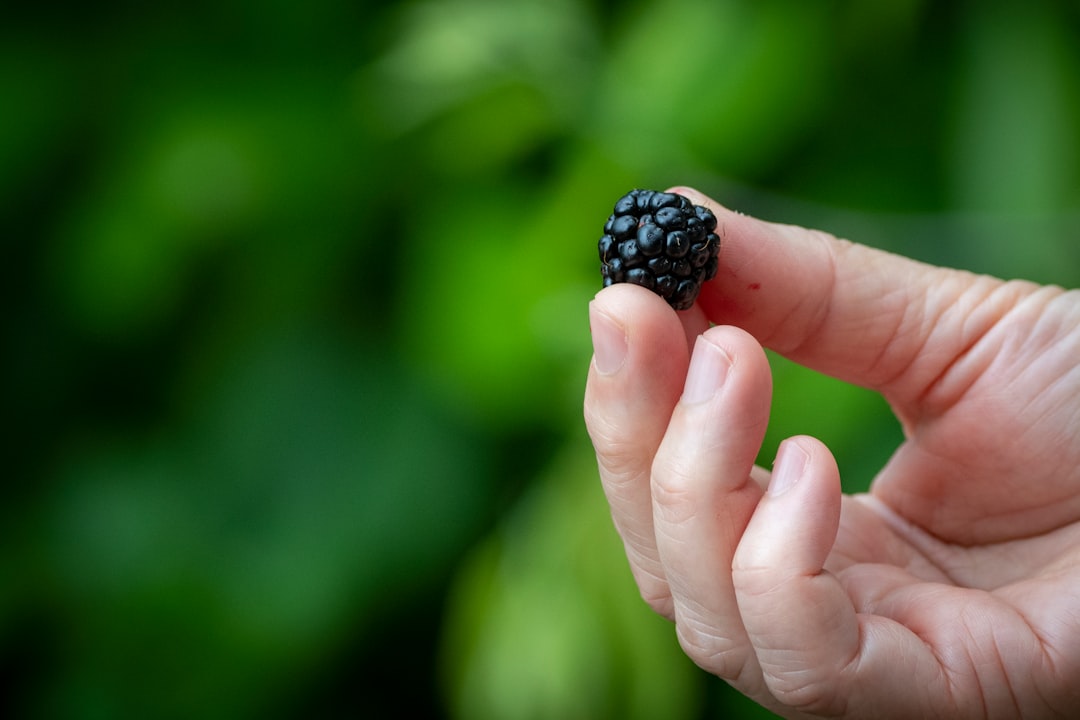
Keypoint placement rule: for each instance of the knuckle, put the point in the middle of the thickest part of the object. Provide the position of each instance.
(809, 696)
(621, 459)
(622, 463)
(672, 492)
(710, 649)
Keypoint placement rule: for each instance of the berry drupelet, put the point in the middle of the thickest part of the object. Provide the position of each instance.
(660, 241)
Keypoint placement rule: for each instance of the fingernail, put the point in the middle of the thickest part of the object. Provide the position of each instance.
(609, 342)
(789, 466)
(709, 366)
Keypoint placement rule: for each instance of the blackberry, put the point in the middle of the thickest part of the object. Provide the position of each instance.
(660, 241)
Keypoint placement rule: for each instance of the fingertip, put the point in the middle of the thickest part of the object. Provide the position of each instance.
(742, 346)
(630, 302)
(747, 401)
(795, 525)
(694, 195)
(788, 468)
(715, 432)
(634, 332)
(805, 460)
(634, 306)
(609, 340)
(799, 456)
(724, 214)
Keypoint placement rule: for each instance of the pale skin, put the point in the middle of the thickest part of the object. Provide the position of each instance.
(952, 588)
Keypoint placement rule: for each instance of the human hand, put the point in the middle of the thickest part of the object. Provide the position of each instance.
(952, 588)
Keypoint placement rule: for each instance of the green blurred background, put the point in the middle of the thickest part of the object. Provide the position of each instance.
(295, 334)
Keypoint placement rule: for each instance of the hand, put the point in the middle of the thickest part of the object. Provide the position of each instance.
(952, 588)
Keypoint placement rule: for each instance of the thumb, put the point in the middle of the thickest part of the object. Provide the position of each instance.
(860, 314)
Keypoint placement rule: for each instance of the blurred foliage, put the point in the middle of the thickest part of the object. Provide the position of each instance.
(544, 624)
(295, 332)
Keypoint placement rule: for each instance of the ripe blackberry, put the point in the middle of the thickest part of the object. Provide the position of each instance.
(660, 241)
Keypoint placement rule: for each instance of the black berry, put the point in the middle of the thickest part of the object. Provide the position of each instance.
(660, 241)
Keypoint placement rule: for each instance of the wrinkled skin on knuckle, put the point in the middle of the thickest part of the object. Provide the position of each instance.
(806, 693)
(708, 647)
(708, 659)
(672, 495)
(619, 458)
(602, 431)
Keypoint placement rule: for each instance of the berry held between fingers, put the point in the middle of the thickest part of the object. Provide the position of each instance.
(660, 241)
